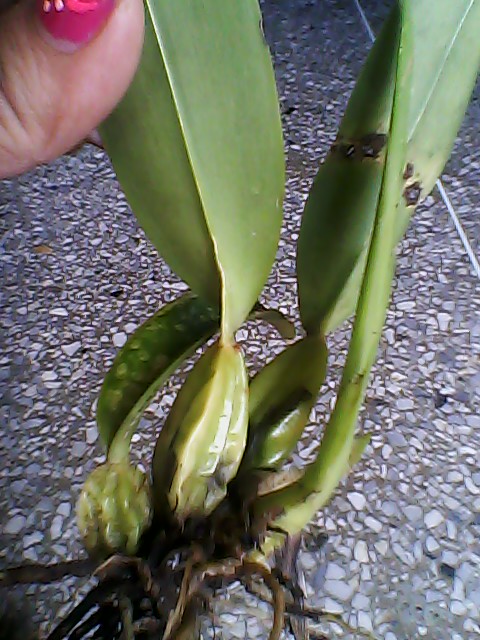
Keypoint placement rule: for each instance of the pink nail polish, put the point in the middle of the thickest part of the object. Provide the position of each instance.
(72, 23)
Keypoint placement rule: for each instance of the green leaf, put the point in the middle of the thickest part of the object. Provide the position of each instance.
(446, 40)
(302, 499)
(197, 147)
(148, 358)
(340, 209)
(446, 49)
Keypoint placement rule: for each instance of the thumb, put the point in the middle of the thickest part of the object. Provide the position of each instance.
(63, 68)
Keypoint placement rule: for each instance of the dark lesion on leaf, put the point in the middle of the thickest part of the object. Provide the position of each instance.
(412, 193)
(409, 171)
(368, 146)
(372, 144)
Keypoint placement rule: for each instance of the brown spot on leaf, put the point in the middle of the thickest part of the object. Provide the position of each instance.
(408, 173)
(372, 144)
(412, 194)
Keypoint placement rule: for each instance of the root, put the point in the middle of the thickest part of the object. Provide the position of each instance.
(45, 574)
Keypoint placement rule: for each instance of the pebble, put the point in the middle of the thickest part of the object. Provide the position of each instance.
(458, 608)
(387, 451)
(92, 435)
(33, 538)
(78, 449)
(364, 621)
(331, 606)
(59, 312)
(47, 376)
(381, 547)
(413, 512)
(64, 509)
(443, 321)
(15, 525)
(360, 601)
(373, 524)
(56, 528)
(454, 476)
(433, 519)
(431, 544)
(338, 589)
(71, 349)
(405, 404)
(335, 572)
(360, 552)
(119, 339)
(357, 500)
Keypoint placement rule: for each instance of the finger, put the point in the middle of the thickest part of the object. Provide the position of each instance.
(63, 72)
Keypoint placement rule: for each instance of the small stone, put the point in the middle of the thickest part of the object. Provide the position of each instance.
(389, 508)
(433, 519)
(338, 589)
(431, 545)
(387, 451)
(119, 339)
(357, 500)
(364, 621)
(450, 558)
(454, 476)
(48, 376)
(309, 561)
(30, 554)
(92, 435)
(59, 312)
(360, 552)
(30, 540)
(373, 524)
(64, 509)
(471, 487)
(413, 512)
(458, 608)
(78, 449)
(360, 601)
(405, 404)
(72, 348)
(332, 607)
(56, 528)
(335, 572)
(381, 547)
(443, 321)
(15, 525)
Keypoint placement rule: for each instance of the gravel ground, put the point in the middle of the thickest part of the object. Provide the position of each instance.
(402, 557)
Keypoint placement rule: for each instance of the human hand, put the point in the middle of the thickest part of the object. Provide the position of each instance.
(64, 65)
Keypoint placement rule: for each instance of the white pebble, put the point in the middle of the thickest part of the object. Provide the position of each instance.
(373, 524)
(335, 572)
(458, 608)
(357, 500)
(433, 519)
(338, 589)
(364, 621)
(332, 607)
(381, 547)
(72, 348)
(64, 509)
(119, 339)
(443, 321)
(360, 552)
(413, 512)
(15, 525)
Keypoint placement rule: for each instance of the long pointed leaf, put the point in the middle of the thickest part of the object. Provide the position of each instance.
(446, 46)
(338, 217)
(197, 146)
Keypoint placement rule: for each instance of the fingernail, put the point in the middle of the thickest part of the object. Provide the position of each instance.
(72, 23)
